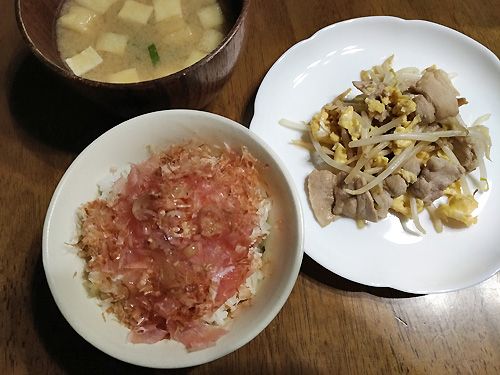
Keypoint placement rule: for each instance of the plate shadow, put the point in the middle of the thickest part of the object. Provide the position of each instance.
(249, 109)
(318, 273)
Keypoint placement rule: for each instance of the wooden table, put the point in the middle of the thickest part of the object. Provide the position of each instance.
(329, 324)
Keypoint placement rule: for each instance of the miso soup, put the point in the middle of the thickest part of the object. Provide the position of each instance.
(124, 41)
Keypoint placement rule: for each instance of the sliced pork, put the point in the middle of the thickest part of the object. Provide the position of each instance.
(365, 209)
(383, 202)
(412, 165)
(369, 88)
(345, 204)
(437, 175)
(320, 186)
(425, 109)
(395, 185)
(436, 87)
(360, 206)
(464, 151)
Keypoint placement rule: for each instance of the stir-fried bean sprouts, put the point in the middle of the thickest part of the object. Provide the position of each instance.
(400, 147)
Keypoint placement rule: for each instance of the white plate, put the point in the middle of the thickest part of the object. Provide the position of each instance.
(312, 73)
(128, 143)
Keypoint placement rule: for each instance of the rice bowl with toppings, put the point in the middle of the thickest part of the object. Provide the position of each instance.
(129, 144)
(176, 246)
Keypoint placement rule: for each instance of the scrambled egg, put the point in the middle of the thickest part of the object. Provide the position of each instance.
(318, 124)
(314, 124)
(340, 154)
(334, 137)
(401, 144)
(408, 176)
(423, 156)
(454, 189)
(409, 124)
(380, 161)
(404, 106)
(374, 106)
(401, 205)
(350, 122)
(458, 210)
(405, 127)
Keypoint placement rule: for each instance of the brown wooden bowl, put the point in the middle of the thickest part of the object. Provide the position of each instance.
(193, 87)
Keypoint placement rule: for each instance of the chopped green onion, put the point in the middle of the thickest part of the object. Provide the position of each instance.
(153, 54)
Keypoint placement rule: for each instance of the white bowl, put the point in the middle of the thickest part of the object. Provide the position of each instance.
(128, 143)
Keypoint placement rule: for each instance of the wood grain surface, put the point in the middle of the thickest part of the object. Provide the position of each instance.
(328, 326)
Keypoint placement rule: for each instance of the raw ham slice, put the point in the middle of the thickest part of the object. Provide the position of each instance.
(199, 336)
(146, 334)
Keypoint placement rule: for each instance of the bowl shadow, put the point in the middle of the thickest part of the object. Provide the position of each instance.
(314, 271)
(249, 109)
(66, 348)
(46, 108)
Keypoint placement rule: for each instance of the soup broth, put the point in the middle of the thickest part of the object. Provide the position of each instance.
(123, 41)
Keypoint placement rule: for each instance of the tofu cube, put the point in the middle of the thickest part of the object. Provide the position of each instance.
(124, 76)
(98, 6)
(182, 36)
(134, 11)
(169, 26)
(78, 19)
(165, 9)
(211, 16)
(194, 57)
(84, 62)
(210, 40)
(111, 42)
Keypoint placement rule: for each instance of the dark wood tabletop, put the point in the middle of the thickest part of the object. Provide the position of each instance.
(329, 324)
